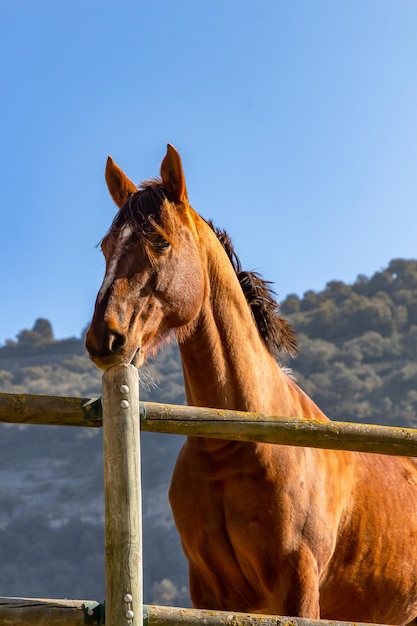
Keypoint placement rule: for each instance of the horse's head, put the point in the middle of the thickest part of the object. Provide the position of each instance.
(154, 278)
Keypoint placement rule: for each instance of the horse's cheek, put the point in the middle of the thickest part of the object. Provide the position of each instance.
(188, 289)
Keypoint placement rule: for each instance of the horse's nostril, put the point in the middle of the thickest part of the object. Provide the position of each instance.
(116, 342)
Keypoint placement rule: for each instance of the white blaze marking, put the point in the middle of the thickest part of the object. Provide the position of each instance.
(114, 261)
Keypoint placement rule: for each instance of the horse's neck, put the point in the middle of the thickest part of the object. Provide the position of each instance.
(226, 363)
(223, 366)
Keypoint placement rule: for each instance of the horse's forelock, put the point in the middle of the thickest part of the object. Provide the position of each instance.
(142, 208)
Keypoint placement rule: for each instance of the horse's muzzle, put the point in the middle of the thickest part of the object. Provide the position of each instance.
(108, 347)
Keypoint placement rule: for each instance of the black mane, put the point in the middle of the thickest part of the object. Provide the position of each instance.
(276, 332)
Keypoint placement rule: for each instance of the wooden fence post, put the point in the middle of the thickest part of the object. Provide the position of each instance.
(122, 492)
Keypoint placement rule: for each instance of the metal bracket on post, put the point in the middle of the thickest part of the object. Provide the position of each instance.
(94, 613)
(93, 410)
(122, 490)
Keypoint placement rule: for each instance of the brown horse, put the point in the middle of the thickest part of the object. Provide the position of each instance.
(265, 528)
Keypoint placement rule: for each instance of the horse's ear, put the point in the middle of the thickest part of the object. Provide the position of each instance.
(172, 176)
(120, 186)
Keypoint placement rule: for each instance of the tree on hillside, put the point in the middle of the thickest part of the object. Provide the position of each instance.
(40, 333)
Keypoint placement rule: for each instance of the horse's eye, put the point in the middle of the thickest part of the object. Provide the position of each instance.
(158, 243)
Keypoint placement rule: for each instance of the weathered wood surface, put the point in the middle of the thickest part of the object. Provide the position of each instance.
(21, 408)
(26, 611)
(215, 423)
(122, 494)
(221, 424)
(172, 616)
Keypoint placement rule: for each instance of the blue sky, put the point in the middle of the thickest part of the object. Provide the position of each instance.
(296, 121)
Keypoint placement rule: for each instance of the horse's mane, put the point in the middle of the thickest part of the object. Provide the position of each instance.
(142, 210)
(276, 332)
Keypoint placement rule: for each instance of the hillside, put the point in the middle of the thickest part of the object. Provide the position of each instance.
(359, 346)
(358, 361)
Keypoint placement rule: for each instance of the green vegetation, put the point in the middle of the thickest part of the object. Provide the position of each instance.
(359, 346)
(358, 361)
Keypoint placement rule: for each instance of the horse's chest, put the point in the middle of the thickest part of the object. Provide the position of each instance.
(231, 498)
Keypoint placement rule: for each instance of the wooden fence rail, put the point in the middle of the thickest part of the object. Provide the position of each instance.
(32, 612)
(28, 611)
(215, 423)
